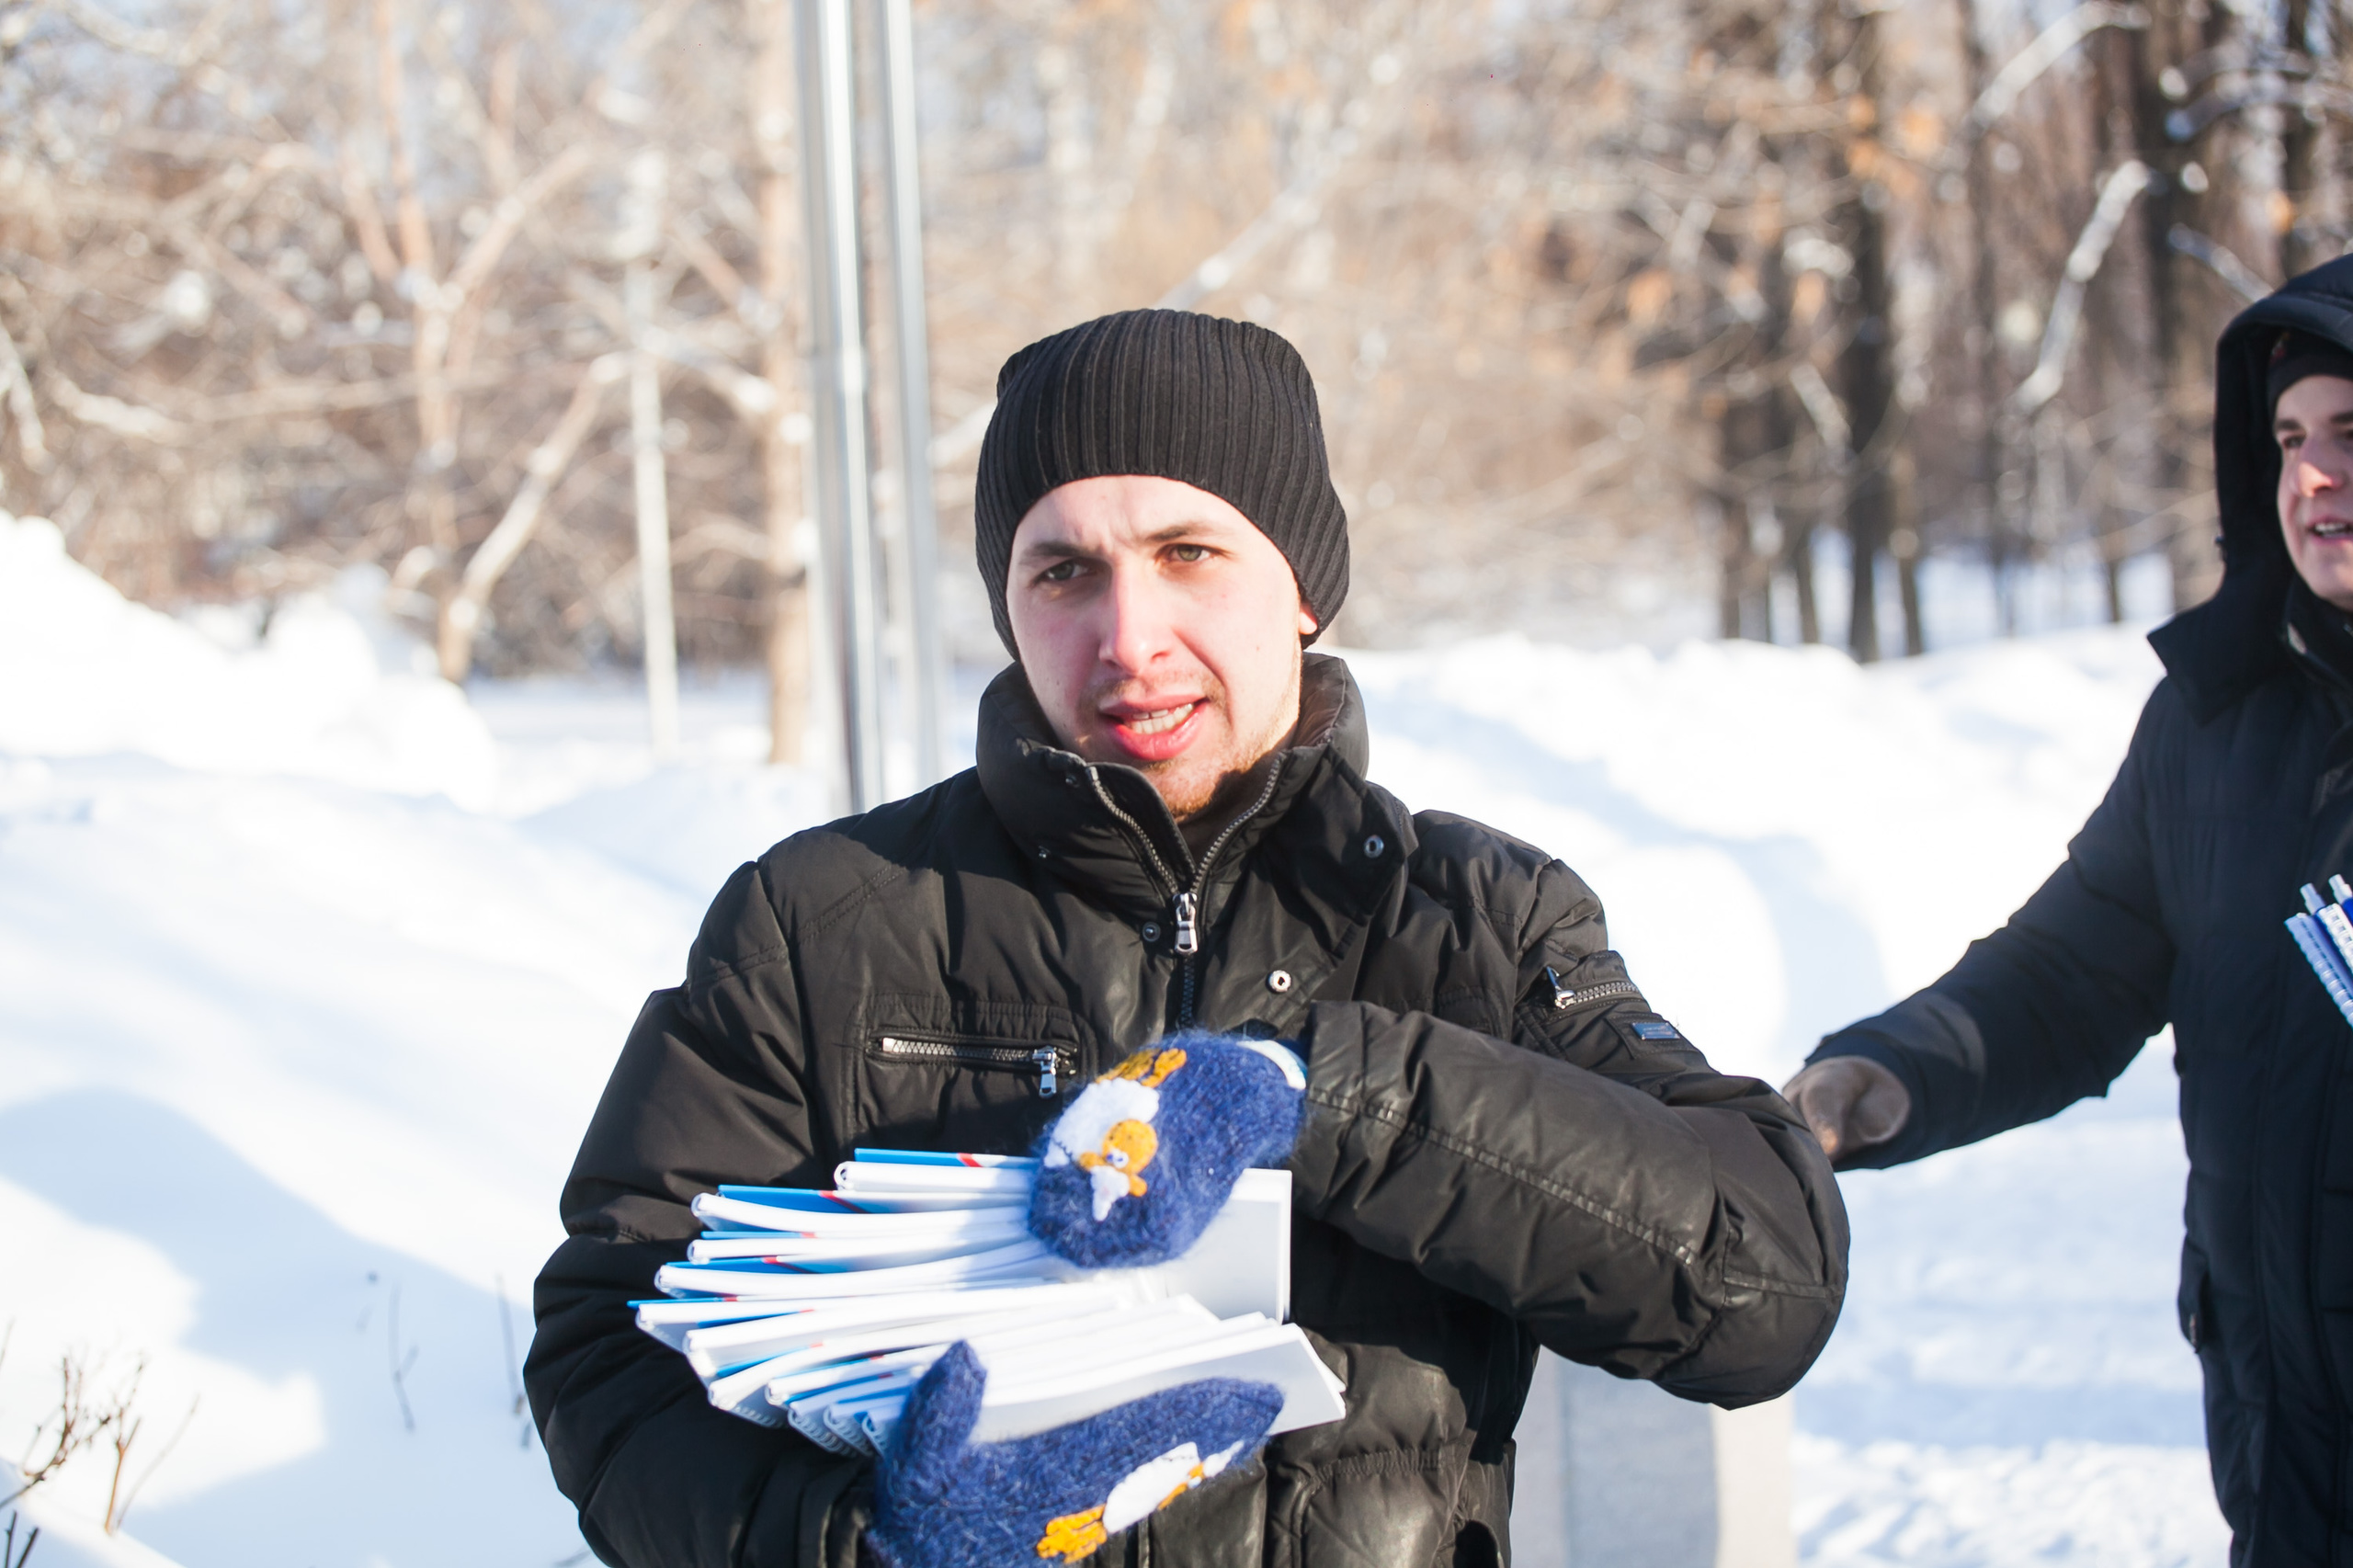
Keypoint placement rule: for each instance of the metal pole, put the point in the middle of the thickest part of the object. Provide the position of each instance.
(641, 229)
(912, 339)
(837, 383)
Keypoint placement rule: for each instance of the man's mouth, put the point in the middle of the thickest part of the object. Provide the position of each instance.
(1147, 734)
(2332, 528)
(1157, 723)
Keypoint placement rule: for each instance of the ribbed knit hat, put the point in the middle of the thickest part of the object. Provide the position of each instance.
(1225, 407)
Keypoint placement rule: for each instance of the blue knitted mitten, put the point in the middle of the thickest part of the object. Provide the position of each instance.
(1147, 1154)
(941, 1501)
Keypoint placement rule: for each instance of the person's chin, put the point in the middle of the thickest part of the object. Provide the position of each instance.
(1187, 790)
(2327, 566)
(1186, 780)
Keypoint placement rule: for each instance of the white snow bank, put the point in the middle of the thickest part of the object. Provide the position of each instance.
(295, 1047)
(289, 1075)
(85, 672)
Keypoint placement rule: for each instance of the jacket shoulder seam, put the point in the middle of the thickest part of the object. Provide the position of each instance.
(729, 968)
(842, 908)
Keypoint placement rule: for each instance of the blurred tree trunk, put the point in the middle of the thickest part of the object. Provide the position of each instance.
(1737, 562)
(783, 497)
(1985, 453)
(1756, 432)
(430, 500)
(2181, 304)
(2299, 180)
(2115, 359)
(1865, 365)
(1799, 564)
(1906, 546)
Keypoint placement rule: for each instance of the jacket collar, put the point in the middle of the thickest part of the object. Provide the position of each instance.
(1105, 827)
(2321, 637)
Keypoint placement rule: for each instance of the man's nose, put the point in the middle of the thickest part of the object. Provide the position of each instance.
(2312, 479)
(1137, 627)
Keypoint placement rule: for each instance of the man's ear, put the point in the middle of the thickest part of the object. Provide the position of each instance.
(1306, 620)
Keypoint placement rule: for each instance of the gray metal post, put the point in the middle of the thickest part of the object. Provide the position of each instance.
(837, 383)
(911, 337)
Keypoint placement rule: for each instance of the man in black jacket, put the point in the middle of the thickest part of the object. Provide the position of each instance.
(2238, 788)
(1169, 826)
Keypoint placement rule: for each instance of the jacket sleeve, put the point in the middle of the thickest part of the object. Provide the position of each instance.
(2050, 1007)
(1593, 1178)
(708, 1088)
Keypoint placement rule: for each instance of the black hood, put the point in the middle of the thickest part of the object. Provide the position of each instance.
(2220, 651)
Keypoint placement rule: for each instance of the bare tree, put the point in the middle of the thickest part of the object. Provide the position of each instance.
(1614, 309)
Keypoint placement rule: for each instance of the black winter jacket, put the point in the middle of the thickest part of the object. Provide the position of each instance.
(2238, 788)
(1504, 1146)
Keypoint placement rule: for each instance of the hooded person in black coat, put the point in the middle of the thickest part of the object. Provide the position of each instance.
(2237, 789)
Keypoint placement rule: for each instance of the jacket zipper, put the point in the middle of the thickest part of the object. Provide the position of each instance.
(1047, 1062)
(1185, 903)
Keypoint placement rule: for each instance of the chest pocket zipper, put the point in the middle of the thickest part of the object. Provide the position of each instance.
(1050, 1062)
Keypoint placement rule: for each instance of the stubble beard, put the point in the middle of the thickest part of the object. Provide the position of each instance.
(1193, 786)
(1190, 789)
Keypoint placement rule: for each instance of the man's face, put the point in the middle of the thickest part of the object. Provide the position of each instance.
(2314, 426)
(1158, 629)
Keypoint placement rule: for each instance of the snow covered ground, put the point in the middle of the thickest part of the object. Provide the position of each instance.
(311, 971)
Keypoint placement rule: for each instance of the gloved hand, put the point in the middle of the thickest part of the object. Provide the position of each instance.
(1851, 1103)
(941, 1501)
(1147, 1154)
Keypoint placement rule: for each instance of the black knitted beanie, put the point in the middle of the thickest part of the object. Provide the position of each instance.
(1225, 407)
(2299, 354)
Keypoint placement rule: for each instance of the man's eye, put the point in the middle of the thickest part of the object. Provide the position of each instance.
(1060, 572)
(1189, 552)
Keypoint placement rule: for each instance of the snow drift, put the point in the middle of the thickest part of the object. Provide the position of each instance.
(85, 672)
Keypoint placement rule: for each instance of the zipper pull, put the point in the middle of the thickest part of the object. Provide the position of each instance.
(1561, 994)
(1189, 937)
(1046, 1060)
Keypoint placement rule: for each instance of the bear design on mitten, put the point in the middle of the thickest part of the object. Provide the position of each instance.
(1122, 1104)
(1148, 1154)
(1117, 1168)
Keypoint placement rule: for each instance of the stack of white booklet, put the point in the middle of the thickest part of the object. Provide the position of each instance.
(2326, 935)
(824, 1308)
